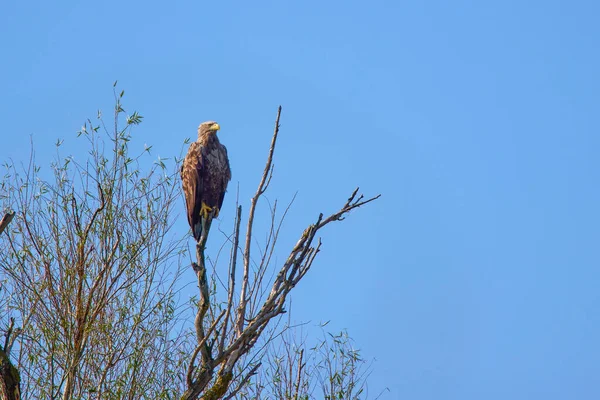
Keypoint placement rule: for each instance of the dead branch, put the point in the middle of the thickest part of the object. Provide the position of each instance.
(243, 382)
(203, 303)
(350, 205)
(232, 267)
(299, 375)
(262, 187)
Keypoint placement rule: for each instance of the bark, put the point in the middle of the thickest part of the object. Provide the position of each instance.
(10, 379)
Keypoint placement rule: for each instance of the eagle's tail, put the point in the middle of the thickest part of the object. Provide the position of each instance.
(202, 227)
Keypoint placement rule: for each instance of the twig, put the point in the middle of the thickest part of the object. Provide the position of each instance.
(243, 382)
(350, 205)
(299, 376)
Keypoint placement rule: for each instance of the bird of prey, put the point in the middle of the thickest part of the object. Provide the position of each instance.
(205, 174)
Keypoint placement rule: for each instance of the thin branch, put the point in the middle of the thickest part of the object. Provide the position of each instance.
(232, 267)
(299, 376)
(350, 205)
(261, 189)
(199, 347)
(7, 341)
(243, 382)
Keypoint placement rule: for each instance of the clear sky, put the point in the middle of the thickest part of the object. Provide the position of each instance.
(476, 275)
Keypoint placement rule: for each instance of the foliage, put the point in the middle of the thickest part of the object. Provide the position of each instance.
(89, 270)
(331, 368)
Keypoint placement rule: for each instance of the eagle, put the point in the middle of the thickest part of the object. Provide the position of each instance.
(205, 174)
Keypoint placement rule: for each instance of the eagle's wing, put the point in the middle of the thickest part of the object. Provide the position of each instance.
(192, 176)
(225, 173)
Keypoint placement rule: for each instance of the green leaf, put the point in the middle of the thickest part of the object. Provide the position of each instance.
(134, 119)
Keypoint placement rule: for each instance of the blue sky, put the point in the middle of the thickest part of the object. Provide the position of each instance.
(476, 274)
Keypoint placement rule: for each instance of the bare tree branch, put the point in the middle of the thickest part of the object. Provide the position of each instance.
(299, 375)
(243, 382)
(350, 205)
(232, 268)
(262, 187)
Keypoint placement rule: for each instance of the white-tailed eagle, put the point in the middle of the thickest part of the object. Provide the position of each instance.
(205, 174)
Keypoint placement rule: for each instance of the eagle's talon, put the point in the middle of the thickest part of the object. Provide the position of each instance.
(205, 210)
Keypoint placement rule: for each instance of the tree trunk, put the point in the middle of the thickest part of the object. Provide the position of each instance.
(9, 379)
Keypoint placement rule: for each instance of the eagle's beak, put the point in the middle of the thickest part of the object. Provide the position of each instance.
(215, 127)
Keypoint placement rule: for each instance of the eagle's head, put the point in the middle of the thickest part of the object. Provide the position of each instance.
(208, 128)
